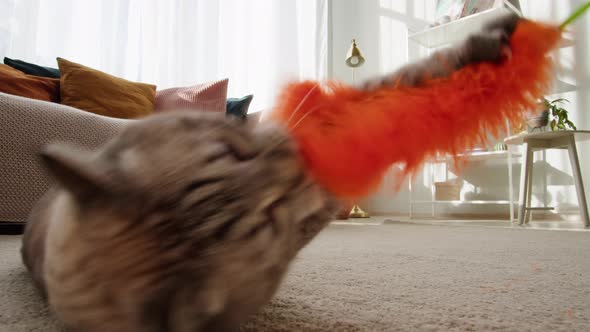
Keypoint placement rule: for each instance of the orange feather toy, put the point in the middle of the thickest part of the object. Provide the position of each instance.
(349, 138)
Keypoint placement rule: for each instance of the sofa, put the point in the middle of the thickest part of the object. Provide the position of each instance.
(84, 106)
(26, 125)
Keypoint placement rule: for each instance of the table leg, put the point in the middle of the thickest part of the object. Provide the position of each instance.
(573, 154)
(544, 178)
(510, 185)
(524, 186)
(411, 196)
(529, 191)
(510, 175)
(432, 190)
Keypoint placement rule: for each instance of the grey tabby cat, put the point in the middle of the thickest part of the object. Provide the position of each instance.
(187, 221)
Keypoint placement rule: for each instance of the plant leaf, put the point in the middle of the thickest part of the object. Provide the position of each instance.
(571, 124)
(560, 100)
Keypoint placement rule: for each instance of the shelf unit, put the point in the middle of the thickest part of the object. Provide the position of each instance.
(458, 30)
(561, 86)
(470, 157)
(448, 34)
(476, 156)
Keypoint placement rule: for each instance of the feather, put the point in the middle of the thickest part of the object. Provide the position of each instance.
(349, 138)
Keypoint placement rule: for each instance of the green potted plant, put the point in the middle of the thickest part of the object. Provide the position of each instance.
(558, 115)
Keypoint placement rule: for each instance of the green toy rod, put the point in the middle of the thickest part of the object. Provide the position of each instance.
(575, 15)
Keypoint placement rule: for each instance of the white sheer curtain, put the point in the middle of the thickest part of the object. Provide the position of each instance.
(257, 44)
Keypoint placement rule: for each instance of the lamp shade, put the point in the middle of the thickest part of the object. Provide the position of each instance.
(354, 57)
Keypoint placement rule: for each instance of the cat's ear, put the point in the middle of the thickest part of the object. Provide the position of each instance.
(76, 170)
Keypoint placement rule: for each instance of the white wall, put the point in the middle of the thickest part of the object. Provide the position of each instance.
(381, 29)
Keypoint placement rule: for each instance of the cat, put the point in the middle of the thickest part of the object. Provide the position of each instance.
(186, 221)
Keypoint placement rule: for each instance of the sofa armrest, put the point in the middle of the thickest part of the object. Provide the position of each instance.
(26, 125)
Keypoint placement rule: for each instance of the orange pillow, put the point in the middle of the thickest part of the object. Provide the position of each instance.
(15, 82)
(100, 93)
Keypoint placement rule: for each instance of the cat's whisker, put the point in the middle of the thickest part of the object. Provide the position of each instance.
(301, 104)
(284, 139)
(304, 116)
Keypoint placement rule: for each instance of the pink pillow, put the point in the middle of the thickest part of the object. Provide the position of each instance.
(209, 97)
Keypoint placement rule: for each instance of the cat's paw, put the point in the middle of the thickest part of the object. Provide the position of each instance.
(492, 44)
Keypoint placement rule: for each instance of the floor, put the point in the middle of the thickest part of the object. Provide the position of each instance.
(379, 275)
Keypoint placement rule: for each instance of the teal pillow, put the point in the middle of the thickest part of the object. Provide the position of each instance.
(32, 69)
(238, 107)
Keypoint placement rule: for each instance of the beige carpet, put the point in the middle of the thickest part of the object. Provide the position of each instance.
(398, 277)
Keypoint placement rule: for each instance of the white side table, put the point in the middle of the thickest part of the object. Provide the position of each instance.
(542, 141)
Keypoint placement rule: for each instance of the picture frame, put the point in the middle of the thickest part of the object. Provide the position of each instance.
(477, 6)
(448, 10)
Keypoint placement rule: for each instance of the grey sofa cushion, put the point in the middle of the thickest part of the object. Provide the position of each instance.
(26, 125)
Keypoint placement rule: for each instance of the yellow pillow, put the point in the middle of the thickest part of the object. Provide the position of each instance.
(100, 93)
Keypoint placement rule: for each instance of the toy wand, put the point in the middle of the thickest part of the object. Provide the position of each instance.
(348, 138)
